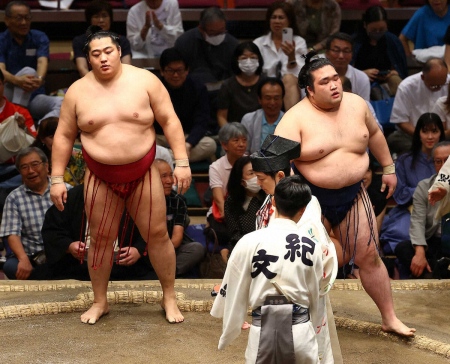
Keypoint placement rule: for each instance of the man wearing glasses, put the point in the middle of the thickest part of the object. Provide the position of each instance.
(415, 96)
(339, 51)
(23, 215)
(24, 59)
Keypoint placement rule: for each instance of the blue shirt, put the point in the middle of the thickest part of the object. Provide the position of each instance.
(268, 128)
(425, 29)
(17, 56)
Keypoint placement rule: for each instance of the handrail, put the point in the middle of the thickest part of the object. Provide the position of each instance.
(241, 14)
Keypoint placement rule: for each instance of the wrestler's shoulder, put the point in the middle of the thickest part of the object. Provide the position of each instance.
(138, 73)
(351, 98)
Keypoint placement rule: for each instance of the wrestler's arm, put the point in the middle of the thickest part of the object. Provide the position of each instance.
(65, 136)
(288, 127)
(173, 131)
(379, 148)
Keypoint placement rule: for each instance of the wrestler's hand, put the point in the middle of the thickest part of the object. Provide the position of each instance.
(77, 249)
(58, 194)
(389, 180)
(182, 178)
(128, 256)
(436, 195)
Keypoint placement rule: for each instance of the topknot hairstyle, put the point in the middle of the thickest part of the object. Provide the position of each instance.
(305, 78)
(95, 32)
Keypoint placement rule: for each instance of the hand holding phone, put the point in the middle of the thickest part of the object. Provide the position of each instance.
(383, 73)
(287, 35)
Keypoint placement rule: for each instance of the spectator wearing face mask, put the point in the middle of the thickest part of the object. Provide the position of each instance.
(245, 197)
(208, 49)
(238, 94)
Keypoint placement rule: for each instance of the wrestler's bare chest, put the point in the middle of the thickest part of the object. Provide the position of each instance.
(323, 135)
(109, 108)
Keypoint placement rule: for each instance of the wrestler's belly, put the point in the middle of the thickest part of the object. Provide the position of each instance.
(336, 170)
(120, 147)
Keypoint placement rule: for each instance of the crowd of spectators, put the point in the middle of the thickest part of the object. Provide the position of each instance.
(229, 96)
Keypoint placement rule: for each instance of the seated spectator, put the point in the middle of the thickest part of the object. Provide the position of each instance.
(9, 175)
(23, 216)
(379, 53)
(188, 252)
(418, 256)
(263, 122)
(317, 20)
(208, 49)
(442, 108)
(238, 96)
(74, 173)
(411, 168)
(427, 27)
(152, 26)
(282, 59)
(191, 103)
(233, 139)
(244, 199)
(67, 255)
(339, 50)
(416, 95)
(100, 13)
(24, 56)
(447, 46)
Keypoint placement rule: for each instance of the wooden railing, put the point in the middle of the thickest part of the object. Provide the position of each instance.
(244, 14)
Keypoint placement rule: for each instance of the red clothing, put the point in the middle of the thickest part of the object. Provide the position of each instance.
(10, 109)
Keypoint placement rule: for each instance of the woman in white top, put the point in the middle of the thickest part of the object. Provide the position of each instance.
(282, 59)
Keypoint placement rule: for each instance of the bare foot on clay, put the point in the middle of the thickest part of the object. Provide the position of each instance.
(399, 328)
(173, 314)
(94, 314)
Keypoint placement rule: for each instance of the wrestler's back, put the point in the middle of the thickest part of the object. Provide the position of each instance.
(116, 121)
(333, 144)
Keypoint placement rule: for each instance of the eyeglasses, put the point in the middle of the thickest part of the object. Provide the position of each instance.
(440, 162)
(20, 18)
(338, 51)
(437, 87)
(32, 165)
(171, 71)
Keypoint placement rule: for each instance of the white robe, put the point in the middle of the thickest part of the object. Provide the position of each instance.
(312, 215)
(305, 284)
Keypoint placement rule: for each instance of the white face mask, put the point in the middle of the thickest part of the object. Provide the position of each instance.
(251, 185)
(215, 40)
(248, 66)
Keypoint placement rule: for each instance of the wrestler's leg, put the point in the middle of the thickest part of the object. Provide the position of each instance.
(104, 224)
(337, 244)
(374, 276)
(160, 248)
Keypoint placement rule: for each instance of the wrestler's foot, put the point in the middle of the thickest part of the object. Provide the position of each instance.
(399, 328)
(245, 325)
(173, 314)
(94, 314)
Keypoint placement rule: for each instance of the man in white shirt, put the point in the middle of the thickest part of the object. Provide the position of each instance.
(152, 26)
(339, 50)
(415, 96)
